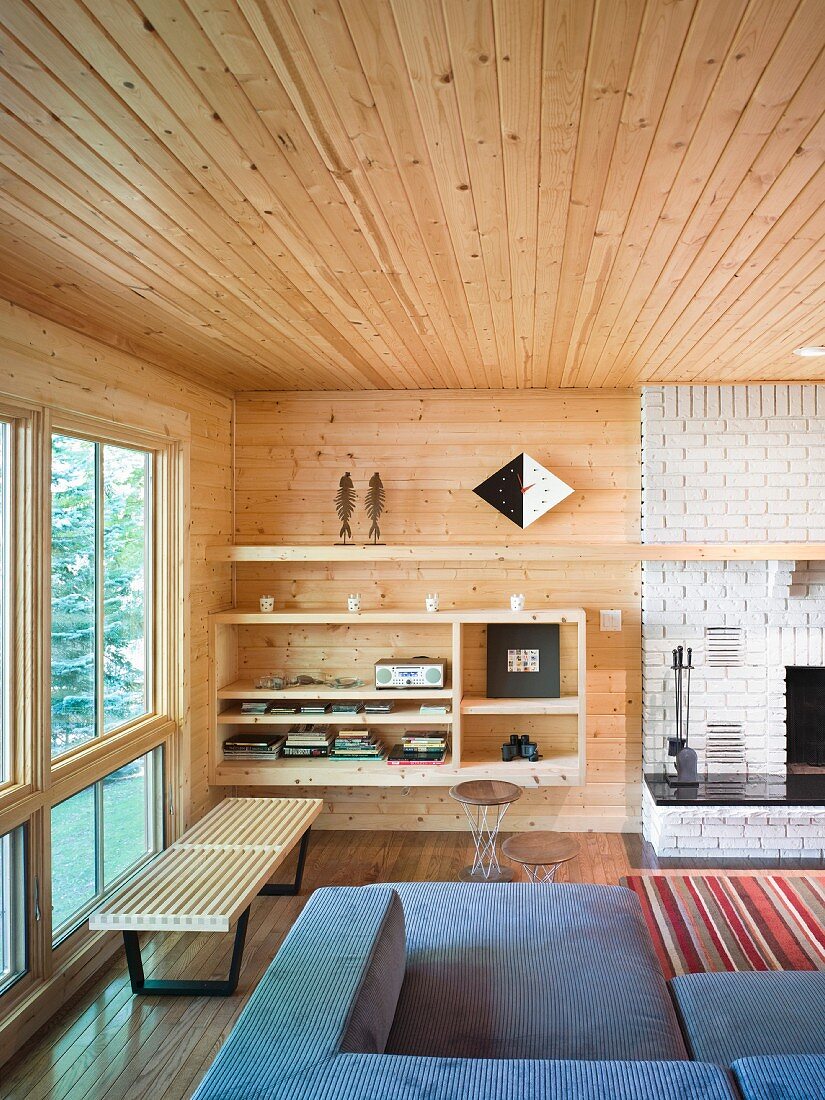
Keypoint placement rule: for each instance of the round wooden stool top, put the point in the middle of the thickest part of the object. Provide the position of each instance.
(540, 849)
(485, 792)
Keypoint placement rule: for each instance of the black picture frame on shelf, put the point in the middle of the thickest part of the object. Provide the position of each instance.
(530, 648)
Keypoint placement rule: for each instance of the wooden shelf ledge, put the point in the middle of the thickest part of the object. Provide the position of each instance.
(245, 689)
(538, 552)
(403, 716)
(567, 704)
(239, 616)
(557, 771)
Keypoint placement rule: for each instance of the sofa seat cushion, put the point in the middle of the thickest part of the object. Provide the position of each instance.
(515, 970)
(792, 1077)
(729, 1016)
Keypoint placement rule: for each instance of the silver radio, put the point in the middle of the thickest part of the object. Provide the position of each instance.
(417, 672)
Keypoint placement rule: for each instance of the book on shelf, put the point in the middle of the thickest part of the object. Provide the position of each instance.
(308, 737)
(375, 707)
(357, 744)
(305, 750)
(425, 739)
(314, 708)
(434, 708)
(254, 707)
(283, 708)
(400, 754)
(347, 708)
(424, 747)
(254, 746)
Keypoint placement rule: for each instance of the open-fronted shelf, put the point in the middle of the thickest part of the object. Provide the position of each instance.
(555, 769)
(567, 704)
(248, 644)
(404, 715)
(605, 551)
(335, 773)
(246, 689)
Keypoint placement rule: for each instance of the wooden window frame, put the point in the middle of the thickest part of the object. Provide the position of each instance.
(24, 566)
(154, 786)
(38, 783)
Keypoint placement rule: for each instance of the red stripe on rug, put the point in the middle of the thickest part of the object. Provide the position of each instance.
(701, 921)
(743, 936)
(635, 883)
(806, 917)
(771, 924)
(718, 942)
(693, 962)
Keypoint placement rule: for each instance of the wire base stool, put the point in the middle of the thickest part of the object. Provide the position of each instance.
(540, 853)
(485, 803)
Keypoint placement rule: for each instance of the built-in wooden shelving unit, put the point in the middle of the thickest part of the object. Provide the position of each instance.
(608, 551)
(347, 644)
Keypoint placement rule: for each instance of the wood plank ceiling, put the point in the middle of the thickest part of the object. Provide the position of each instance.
(352, 194)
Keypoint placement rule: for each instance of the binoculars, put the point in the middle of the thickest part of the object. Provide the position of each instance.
(520, 747)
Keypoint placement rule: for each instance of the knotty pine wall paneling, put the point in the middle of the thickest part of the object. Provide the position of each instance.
(290, 451)
(42, 362)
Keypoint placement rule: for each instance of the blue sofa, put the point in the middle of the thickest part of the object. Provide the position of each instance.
(456, 991)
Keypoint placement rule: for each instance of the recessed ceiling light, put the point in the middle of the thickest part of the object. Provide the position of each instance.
(810, 352)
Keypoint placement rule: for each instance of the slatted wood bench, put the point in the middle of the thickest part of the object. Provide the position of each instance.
(207, 880)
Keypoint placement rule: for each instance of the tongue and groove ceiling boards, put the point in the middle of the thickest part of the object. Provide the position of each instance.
(414, 194)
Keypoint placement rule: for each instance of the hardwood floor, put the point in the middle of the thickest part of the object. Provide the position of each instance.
(107, 1043)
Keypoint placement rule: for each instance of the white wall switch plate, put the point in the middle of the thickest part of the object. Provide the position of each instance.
(610, 620)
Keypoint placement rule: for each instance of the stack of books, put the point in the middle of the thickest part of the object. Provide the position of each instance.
(357, 745)
(425, 747)
(376, 707)
(317, 707)
(347, 708)
(254, 746)
(308, 741)
(254, 706)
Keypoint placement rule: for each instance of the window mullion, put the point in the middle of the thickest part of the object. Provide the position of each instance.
(100, 854)
(149, 552)
(99, 590)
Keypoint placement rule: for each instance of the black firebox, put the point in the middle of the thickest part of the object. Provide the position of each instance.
(805, 710)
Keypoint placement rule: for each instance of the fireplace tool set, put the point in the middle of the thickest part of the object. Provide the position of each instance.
(678, 747)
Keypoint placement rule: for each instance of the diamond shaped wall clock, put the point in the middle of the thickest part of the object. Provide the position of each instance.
(523, 490)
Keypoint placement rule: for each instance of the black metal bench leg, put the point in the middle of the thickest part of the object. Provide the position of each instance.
(290, 889)
(210, 987)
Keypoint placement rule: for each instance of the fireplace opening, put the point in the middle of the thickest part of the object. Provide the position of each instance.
(805, 717)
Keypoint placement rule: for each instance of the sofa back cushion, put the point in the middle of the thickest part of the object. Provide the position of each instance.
(306, 1002)
(374, 1005)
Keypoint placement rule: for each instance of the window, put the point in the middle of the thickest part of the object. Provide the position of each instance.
(83, 748)
(101, 599)
(12, 922)
(5, 604)
(101, 836)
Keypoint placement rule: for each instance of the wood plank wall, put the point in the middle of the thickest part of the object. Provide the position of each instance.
(291, 449)
(44, 363)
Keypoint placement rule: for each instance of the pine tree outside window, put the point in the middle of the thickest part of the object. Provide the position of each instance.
(100, 579)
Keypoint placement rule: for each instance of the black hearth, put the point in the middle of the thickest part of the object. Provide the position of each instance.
(805, 714)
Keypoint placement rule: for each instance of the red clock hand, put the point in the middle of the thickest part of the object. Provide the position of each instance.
(524, 488)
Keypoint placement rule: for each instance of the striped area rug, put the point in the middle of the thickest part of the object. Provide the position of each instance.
(734, 922)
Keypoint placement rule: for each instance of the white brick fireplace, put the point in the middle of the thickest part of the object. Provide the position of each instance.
(732, 464)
